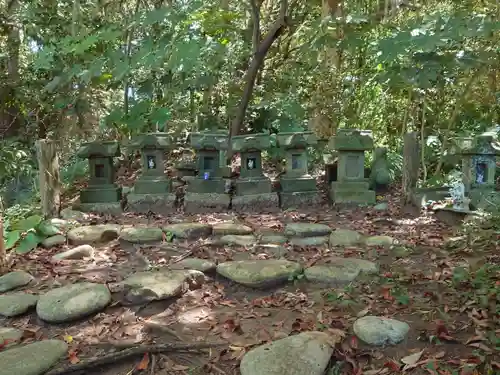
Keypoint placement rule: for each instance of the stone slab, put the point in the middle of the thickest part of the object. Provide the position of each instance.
(300, 199)
(352, 196)
(206, 202)
(268, 202)
(101, 208)
(290, 185)
(157, 203)
(106, 194)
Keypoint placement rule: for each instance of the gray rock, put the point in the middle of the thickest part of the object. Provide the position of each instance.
(141, 234)
(69, 214)
(307, 230)
(276, 251)
(202, 265)
(224, 229)
(56, 240)
(308, 241)
(307, 353)
(382, 206)
(16, 303)
(13, 280)
(379, 331)
(239, 240)
(79, 252)
(90, 234)
(259, 273)
(10, 336)
(149, 286)
(52, 227)
(272, 239)
(32, 359)
(340, 270)
(189, 231)
(345, 237)
(386, 241)
(72, 302)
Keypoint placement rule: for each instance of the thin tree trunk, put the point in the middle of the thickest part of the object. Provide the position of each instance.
(4, 266)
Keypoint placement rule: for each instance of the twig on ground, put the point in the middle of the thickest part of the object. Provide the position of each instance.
(128, 353)
(153, 364)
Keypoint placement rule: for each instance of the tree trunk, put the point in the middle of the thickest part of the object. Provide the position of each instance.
(4, 266)
(258, 59)
(411, 165)
(48, 167)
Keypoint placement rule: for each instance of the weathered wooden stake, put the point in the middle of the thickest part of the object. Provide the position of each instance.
(50, 187)
(411, 164)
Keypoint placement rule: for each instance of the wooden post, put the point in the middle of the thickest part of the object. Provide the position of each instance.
(411, 164)
(3, 254)
(48, 167)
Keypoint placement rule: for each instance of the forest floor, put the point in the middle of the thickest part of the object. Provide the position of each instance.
(444, 293)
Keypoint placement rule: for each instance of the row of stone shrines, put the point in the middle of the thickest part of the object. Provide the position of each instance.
(208, 190)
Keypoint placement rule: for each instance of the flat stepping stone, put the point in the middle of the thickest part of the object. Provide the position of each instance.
(224, 229)
(375, 330)
(16, 303)
(307, 230)
(274, 250)
(308, 241)
(32, 359)
(198, 264)
(141, 234)
(149, 286)
(10, 335)
(69, 214)
(259, 273)
(307, 353)
(385, 241)
(79, 252)
(345, 237)
(52, 241)
(13, 280)
(239, 240)
(189, 231)
(272, 239)
(72, 302)
(340, 270)
(90, 234)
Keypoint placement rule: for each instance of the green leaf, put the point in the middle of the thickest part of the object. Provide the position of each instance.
(160, 116)
(28, 243)
(11, 239)
(30, 222)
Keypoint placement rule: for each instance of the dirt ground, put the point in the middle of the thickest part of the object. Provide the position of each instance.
(453, 315)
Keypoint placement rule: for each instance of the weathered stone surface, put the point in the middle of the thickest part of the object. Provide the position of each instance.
(375, 330)
(79, 252)
(202, 265)
(141, 234)
(148, 286)
(16, 303)
(32, 359)
(380, 241)
(189, 231)
(224, 229)
(382, 206)
(69, 214)
(307, 230)
(93, 234)
(239, 240)
(259, 273)
(267, 238)
(72, 302)
(345, 237)
(52, 227)
(308, 241)
(10, 336)
(274, 250)
(52, 241)
(307, 353)
(13, 280)
(340, 270)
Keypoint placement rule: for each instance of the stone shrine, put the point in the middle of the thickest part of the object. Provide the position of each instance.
(479, 165)
(207, 192)
(253, 191)
(153, 189)
(101, 194)
(298, 187)
(351, 185)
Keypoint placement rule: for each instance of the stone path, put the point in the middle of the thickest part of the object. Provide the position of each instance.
(264, 264)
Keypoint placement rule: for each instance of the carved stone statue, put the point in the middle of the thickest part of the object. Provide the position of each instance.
(457, 192)
(380, 176)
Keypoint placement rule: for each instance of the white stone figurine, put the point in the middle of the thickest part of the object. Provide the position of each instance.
(250, 164)
(457, 192)
(151, 163)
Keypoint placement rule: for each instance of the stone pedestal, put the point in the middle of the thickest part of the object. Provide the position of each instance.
(298, 187)
(351, 185)
(101, 194)
(253, 191)
(153, 189)
(207, 191)
(479, 165)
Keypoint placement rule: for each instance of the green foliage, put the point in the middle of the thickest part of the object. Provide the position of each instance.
(20, 228)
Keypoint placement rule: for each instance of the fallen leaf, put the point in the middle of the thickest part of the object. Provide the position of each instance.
(144, 363)
(72, 357)
(411, 361)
